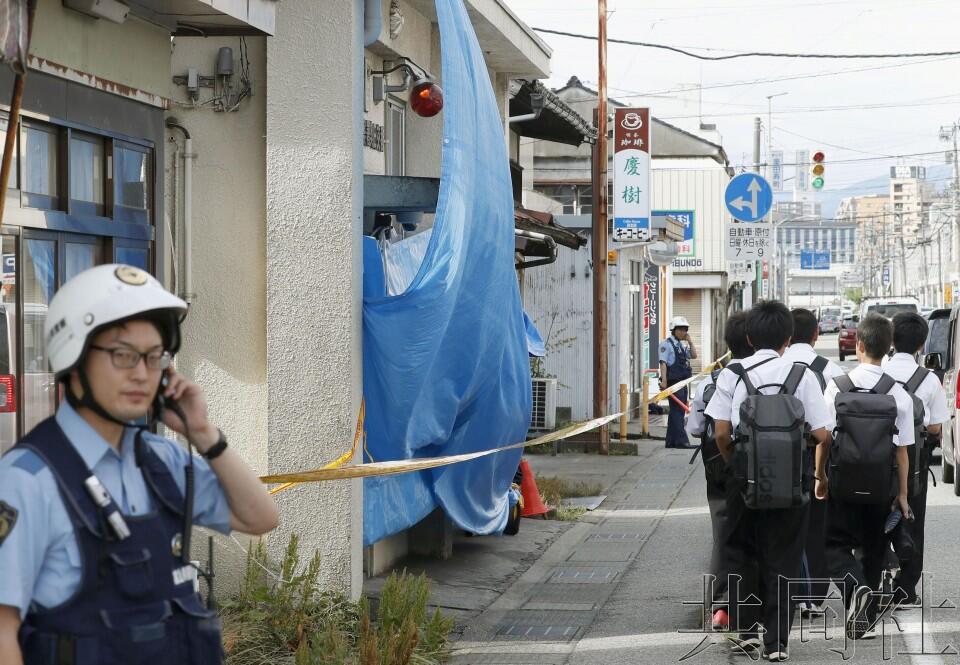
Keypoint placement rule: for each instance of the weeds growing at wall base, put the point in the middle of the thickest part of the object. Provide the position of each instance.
(289, 620)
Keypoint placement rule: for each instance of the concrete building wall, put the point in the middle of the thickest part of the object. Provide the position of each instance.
(224, 346)
(559, 299)
(145, 65)
(314, 114)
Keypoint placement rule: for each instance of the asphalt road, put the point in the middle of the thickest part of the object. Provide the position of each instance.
(827, 347)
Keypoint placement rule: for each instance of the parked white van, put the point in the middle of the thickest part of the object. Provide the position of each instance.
(889, 307)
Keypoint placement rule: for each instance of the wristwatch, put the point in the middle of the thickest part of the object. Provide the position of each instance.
(214, 451)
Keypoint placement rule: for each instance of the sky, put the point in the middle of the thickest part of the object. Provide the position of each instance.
(908, 98)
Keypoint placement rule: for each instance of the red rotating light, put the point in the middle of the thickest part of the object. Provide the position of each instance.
(426, 98)
(818, 156)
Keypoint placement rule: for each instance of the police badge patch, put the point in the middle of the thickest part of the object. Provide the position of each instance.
(8, 519)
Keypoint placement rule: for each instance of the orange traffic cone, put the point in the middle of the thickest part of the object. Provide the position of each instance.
(532, 503)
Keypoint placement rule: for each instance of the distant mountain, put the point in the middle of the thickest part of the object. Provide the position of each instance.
(830, 198)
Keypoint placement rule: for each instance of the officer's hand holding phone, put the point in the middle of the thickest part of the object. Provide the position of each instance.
(191, 400)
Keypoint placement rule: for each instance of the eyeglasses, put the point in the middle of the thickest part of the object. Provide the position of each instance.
(124, 358)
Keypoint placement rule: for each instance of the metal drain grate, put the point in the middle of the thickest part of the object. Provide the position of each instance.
(521, 632)
(624, 537)
(584, 575)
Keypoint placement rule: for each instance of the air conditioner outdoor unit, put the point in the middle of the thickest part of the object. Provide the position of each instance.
(544, 404)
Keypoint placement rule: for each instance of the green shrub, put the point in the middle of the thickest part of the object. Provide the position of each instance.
(289, 620)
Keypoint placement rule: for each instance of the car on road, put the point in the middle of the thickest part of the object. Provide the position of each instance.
(938, 339)
(830, 323)
(847, 339)
(948, 362)
(889, 307)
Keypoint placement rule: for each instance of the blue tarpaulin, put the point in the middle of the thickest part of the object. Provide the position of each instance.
(445, 362)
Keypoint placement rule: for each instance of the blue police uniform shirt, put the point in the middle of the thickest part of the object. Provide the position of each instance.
(39, 557)
(667, 353)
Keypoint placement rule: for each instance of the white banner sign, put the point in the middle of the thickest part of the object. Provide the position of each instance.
(741, 271)
(631, 174)
(776, 170)
(802, 170)
(746, 241)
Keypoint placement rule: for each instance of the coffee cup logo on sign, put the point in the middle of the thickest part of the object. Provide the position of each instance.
(632, 121)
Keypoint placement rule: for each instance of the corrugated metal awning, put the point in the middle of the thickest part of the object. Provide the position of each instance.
(557, 122)
(543, 222)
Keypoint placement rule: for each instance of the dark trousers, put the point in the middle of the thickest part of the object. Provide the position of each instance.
(912, 570)
(815, 553)
(850, 526)
(717, 473)
(676, 435)
(766, 546)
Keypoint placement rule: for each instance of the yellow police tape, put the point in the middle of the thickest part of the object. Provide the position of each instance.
(663, 394)
(336, 470)
(344, 458)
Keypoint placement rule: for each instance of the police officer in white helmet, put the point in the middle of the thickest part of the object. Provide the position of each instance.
(675, 354)
(96, 511)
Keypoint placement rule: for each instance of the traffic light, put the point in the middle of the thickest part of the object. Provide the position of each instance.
(818, 170)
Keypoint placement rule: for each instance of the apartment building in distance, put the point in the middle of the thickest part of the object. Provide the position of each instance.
(909, 190)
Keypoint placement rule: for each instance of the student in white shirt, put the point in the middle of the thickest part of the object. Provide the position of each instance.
(772, 540)
(717, 472)
(806, 331)
(909, 336)
(853, 526)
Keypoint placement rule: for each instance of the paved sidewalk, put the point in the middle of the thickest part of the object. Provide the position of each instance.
(544, 616)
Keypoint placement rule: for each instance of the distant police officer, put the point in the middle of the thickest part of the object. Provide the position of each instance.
(92, 544)
(675, 359)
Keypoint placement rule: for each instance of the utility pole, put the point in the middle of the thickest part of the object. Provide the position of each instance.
(955, 244)
(756, 145)
(601, 155)
(940, 266)
(758, 282)
(898, 248)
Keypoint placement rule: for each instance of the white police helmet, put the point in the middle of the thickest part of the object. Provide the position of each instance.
(678, 322)
(104, 295)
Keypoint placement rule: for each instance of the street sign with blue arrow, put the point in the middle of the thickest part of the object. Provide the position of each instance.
(748, 197)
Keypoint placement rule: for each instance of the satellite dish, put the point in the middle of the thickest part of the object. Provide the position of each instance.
(662, 252)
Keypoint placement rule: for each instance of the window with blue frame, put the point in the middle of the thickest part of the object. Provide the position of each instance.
(86, 174)
(81, 173)
(132, 182)
(134, 256)
(38, 158)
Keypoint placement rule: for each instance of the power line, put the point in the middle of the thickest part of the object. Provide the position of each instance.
(833, 145)
(753, 54)
(777, 79)
(825, 109)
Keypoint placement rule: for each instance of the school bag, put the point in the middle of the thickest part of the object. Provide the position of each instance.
(770, 455)
(917, 454)
(817, 365)
(863, 455)
(712, 459)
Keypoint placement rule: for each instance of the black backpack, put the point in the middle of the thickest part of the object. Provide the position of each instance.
(863, 455)
(917, 457)
(713, 461)
(770, 456)
(817, 366)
